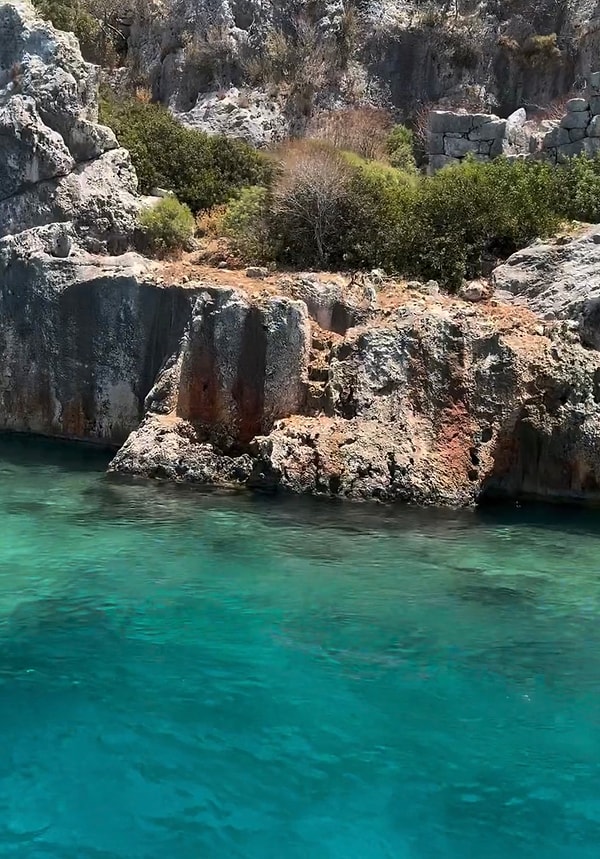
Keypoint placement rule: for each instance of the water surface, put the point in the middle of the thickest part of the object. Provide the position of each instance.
(188, 676)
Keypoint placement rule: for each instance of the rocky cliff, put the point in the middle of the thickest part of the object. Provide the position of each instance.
(61, 171)
(430, 400)
(258, 68)
(361, 390)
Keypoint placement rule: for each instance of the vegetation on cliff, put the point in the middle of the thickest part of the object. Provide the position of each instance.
(202, 171)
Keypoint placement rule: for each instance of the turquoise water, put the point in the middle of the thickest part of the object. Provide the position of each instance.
(187, 676)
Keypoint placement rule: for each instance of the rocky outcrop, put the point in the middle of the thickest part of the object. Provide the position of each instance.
(434, 401)
(481, 54)
(59, 165)
(558, 279)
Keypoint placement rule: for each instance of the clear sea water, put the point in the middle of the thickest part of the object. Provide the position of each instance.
(195, 676)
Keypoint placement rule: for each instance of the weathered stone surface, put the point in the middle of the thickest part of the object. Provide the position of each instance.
(594, 127)
(259, 120)
(30, 151)
(591, 146)
(557, 136)
(458, 147)
(489, 130)
(169, 448)
(412, 416)
(558, 280)
(576, 120)
(594, 81)
(570, 150)
(257, 272)
(517, 119)
(474, 291)
(435, 144)
(576, 105)
(243, 365)
(446, 121)
(80, 339)
(58, 164)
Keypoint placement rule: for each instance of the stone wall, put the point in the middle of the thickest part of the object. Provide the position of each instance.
(453, 136)
(579, 129)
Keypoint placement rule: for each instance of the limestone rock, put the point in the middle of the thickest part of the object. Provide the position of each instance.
(257, 272)
(254, 117)
(581, 119)
(59, 165)
(171, 449)
(559, 281)
(576, 105)
(474, 291)
(446, 121)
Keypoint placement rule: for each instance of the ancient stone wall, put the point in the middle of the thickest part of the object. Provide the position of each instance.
(454, 136)
(579, 129)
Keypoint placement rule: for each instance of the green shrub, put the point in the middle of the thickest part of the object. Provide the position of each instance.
(325, 212)
(245, 224)
(202, 171)
(400, 149)
(473, 210)
(380, 217)
(83, 18)
(580, 188)
(168, 226)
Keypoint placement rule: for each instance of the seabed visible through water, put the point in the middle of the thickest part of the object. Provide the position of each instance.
(192, 676)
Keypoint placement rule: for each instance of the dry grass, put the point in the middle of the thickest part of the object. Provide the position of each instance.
(363, 130)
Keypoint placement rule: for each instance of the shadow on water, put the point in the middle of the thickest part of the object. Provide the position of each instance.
(17, 449)
(123, 499)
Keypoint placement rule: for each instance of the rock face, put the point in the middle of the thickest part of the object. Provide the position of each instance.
(58, 165)
(558, 280)
(480, 53)
(433, 402)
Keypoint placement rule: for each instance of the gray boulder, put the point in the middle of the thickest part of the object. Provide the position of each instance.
(558, 280)
(59, 164)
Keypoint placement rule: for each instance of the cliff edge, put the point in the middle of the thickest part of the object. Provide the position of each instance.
(371, 389)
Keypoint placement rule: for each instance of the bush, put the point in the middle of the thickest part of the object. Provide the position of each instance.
(307, 204)
(379, 215)
(580, 187)
(400, 149)
(168, 226)
(540, 51)
(329, 209)
(202, 171)
(245, 224)
(474, 210)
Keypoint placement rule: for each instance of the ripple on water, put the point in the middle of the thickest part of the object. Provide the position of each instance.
(191, 675)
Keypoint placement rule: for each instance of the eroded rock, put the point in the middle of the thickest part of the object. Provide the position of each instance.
(59, 164)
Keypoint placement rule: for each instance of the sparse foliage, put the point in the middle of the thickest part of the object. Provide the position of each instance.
(363, 130)
(307, 202)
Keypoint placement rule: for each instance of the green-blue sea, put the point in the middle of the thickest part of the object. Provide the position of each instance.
(200, 676)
